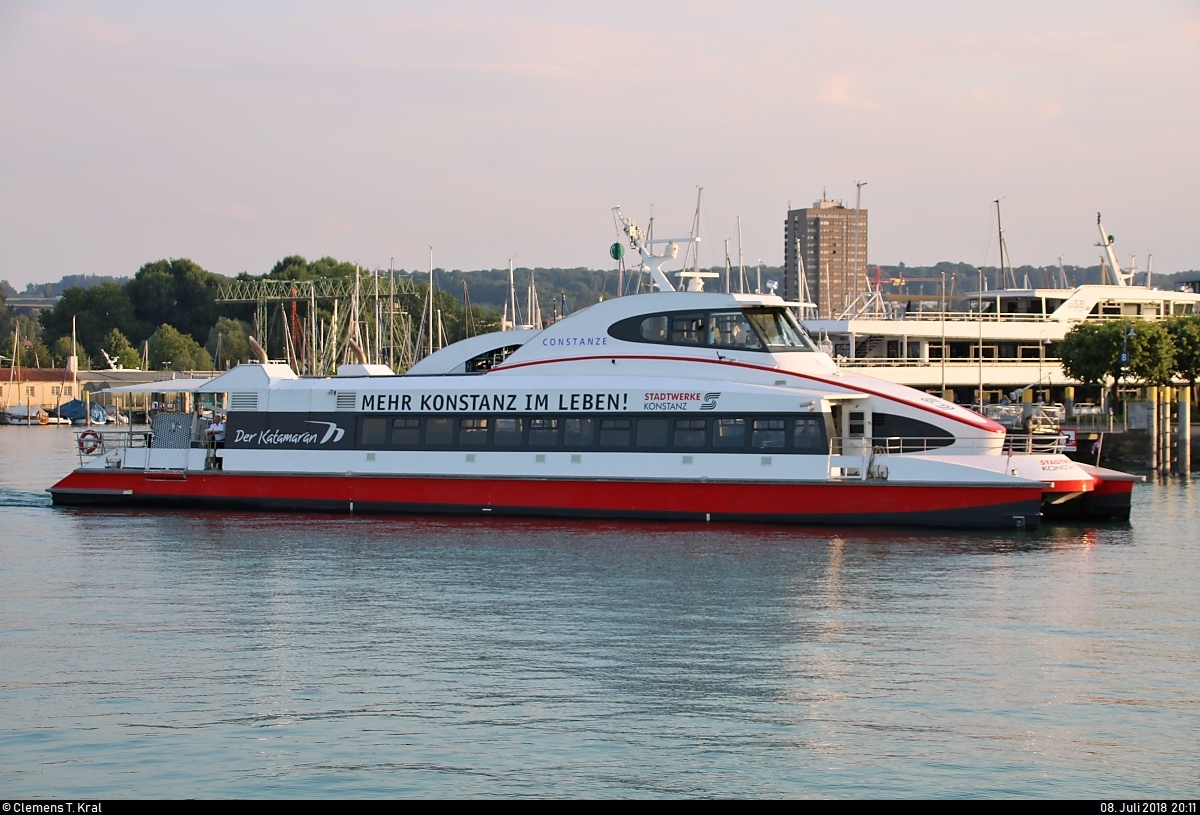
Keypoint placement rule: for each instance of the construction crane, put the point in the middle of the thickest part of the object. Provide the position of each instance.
(373, 308)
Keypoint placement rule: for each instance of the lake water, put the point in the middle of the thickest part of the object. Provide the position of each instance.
(176, 654)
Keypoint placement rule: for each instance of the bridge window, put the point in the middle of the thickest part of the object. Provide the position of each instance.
(771, 328)
(731, 329)
(687, 329)
(654, 329)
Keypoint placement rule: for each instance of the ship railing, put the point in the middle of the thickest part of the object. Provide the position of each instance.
(962, 362)
(975, 316)
(1013, 445)
(1035, 444)
(91, 443)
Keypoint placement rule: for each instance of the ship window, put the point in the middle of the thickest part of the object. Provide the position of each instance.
(508, 432)
(374, 432)
(729, 433)
(614, 432)
(689, 433)
(730, 329)
(472, 432)
(439, 430)
(808, 435)
(406, 432)
(544, 432)
(652, 433)
(857, 423)
(768, 433)
(687, 329)
(578, 432)
(901, 434)
(654, 329)
(489, 359)
(780, 330)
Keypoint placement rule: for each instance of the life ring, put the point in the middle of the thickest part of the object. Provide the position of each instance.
(89, 442)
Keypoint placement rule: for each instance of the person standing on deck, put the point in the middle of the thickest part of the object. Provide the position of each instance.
(216, 432)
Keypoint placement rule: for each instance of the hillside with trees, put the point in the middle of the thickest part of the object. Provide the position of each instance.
(168, 314)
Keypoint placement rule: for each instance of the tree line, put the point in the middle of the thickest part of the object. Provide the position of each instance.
(1128, 350)
(167, 317)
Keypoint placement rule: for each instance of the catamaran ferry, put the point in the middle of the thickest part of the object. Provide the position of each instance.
(669, 405)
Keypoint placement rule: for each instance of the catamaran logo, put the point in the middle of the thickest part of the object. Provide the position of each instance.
(332, 431)
(333, 434)
(675, 400)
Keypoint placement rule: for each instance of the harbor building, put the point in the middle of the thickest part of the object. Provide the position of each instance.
(44, 388)
(831, 239)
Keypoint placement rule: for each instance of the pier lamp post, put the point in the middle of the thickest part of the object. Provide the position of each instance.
(1042, 341)
(1124, 362)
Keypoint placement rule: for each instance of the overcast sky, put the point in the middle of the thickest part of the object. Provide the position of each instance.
(235, 134)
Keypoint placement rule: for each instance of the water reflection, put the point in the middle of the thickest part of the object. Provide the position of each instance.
(175, 653)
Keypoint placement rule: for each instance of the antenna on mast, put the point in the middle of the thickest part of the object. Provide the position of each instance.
(1120, 278)
(644, 244)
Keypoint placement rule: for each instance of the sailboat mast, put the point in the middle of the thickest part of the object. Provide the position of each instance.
(727, 265)
(1004, 270)
(430, 323)
(857, 222)
(512, 296)
(741, 266)
(12, 363)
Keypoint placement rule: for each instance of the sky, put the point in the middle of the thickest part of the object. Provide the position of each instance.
(237, 133)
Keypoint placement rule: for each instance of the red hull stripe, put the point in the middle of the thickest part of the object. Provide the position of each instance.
(632, 498)
(981, 424)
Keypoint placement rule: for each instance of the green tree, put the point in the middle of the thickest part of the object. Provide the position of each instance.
(1091, 352)
(60, 349)
(130, 360)
(115, 342)
(6, 314)
(295, 267)
(1185, 336)
(36, 355)
(235, 347)
(175, 292)
(1151, 352)
(96, 312)
(6, 351)
(171, 349)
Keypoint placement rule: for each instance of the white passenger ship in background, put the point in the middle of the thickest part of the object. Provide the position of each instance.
(1008, 338)
(670, 405)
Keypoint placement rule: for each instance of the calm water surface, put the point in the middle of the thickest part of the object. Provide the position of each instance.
(172, 654)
